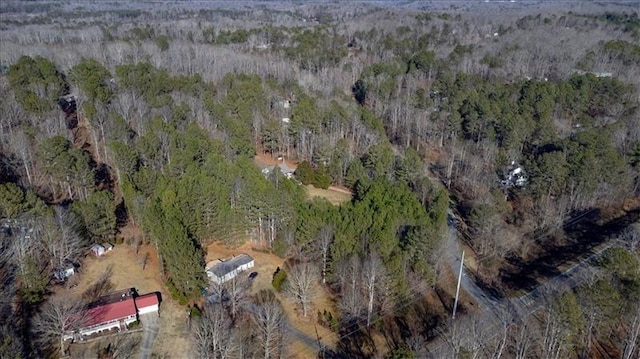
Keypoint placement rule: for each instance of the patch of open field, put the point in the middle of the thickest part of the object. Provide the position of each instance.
(335, 195)
(126, 268)
(266, 265)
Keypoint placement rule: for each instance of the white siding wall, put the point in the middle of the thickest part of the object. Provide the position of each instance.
(230, 275)
(149, 309)
(107, 326)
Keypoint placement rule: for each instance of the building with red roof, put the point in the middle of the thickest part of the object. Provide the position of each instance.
(115, 311)
(147, 303)
(110, 316)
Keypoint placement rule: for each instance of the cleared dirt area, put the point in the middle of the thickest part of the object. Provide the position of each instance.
(127, 271)
(266, 265)
(264, 160)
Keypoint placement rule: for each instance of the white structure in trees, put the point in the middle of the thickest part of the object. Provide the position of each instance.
(514, 176)
(97, 250)
(286, 170)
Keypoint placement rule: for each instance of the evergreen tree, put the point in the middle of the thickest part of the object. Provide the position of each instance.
(182, 258)
(98, 214)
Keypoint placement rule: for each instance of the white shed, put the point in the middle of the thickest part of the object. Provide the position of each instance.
(97, 250)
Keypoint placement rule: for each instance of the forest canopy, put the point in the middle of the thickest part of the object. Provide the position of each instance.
(153, 120)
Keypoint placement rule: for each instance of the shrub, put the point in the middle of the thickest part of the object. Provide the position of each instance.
(280, 248)
(328, 320)
(278, 280)
(195, 312)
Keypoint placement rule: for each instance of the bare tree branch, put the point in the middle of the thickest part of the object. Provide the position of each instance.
(302, 285)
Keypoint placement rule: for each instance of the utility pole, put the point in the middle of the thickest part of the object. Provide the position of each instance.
(455, 304)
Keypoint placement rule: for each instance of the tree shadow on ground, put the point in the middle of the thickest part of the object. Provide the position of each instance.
(101, 287)
(578, 241)
(355, 341)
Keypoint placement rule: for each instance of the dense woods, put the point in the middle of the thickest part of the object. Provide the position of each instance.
(113, 117)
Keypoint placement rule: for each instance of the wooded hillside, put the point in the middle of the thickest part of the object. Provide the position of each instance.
(116, 115)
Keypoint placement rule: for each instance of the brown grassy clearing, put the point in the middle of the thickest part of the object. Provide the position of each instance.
(335, 195)
(264, 160)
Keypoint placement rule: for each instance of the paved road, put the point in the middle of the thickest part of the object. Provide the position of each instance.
(483, 299)
(496, 313)
(151, 325)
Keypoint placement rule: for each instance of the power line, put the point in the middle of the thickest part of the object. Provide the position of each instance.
(380, 316)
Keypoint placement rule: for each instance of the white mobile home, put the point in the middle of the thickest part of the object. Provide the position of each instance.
(222, 271)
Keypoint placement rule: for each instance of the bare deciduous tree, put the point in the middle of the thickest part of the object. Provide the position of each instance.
(553, 340)
(60, 238)
(58, 317)
(351, 300)
(373, 278)
(522, 341)
(236, 291)
(270, 324)
(302, 285)
(452, 334)
(214, 335)
(631, 236)
(12, 344)
(125, 346)
(324, 239)
(24, 246)
(632, 341)
(21, 146)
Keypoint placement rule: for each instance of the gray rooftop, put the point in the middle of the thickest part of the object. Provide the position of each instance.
(283, 168)
(228, 266)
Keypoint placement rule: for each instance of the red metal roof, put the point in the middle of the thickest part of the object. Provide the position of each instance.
(110, 312)
(147, 300)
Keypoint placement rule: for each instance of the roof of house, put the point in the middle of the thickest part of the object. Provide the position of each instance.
(110, 312)
(114, 297)
(283, 168)
(222, 268)
(147, 300)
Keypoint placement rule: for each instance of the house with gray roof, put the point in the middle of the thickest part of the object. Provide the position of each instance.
(221, 271)
(286, 170)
